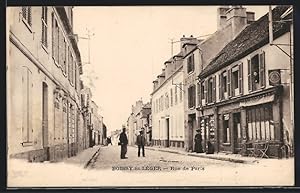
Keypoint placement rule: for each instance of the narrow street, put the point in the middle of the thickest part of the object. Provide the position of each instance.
(156, 169)
(109, 158)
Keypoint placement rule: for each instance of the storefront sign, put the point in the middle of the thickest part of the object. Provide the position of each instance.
(274, 77)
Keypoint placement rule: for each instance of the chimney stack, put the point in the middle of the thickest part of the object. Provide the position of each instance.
(221, 16)
(237, 17)
(250, 17)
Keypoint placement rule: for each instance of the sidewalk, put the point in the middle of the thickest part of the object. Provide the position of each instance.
(84, 157)
(237, 158)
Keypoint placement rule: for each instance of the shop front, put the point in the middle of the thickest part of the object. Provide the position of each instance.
(241, 125)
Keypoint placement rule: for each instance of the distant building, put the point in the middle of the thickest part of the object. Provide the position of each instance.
(43, 90)
(139, 120)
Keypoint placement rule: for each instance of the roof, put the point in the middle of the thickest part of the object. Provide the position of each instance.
(251, 38)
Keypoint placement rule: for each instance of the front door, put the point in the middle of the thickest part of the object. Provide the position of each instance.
(236, 132)
(45, 120)
(191, 127)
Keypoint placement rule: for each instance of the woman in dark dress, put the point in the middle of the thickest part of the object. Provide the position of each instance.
(198, 140)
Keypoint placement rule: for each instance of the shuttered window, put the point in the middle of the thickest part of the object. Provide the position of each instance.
(241, 78)
(256, 72)
(27, 15)
(191, 96)
(45, 26)
(190, 63)
(229, 90)
(27, 89)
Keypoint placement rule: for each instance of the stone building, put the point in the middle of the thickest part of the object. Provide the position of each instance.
(167, 103)
(196, 56)
(139, 119)
(245, 90)
(97, 124)
(43, 92)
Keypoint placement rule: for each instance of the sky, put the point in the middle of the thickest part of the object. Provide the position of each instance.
(129, 46)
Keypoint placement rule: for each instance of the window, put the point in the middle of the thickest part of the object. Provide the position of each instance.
(176, 95)
(76, 70)
(70, 67)
(235, 81)
(256, 72)
(223, 85)
(202, 91)
(44, 26)
(226, 130)
(64, 54)
(171, 91)
(181, 92)
(167, 100)
(162, 102)
(191, 96)
(198, 94)
(260, 123)
(27, 85)
(211, 90)
(26, 14)
(55, 39)
(190, 63)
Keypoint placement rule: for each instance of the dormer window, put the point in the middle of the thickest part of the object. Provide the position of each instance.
(190, 64)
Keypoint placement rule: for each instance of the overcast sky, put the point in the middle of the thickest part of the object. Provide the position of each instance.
(129, 47)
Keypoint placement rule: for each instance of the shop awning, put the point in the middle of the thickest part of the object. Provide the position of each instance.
(257, 101)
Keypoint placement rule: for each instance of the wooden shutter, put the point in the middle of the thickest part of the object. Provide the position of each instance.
(199, 93)
(229, 82)
(193, 62)
(220, 87)
(53, 35)
(205, 91)
(214, 89)
(29, 20)
(241, 78)
(249, 76)
(262, 77)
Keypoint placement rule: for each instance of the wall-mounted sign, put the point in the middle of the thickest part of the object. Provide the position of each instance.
(274, 77)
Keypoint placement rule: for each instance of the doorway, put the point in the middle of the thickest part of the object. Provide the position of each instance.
(236, 132)
(168, 132)
(45, 121)
(191, 131)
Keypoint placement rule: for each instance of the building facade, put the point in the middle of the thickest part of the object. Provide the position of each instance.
(245, 91)
(138, 120)
(43, 90)
(197, 55)
(167, 105)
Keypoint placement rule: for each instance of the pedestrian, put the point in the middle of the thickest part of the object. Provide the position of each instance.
(198, 142)
(109, 141)
(123, 142)
(140, 141)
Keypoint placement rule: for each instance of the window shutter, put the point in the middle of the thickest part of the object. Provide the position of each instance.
(193, 62)
(262, 69)
(220, 87)
(53, 35)
(29, 16)
(199, 93)
(24, 11)
(249, 76)
(214, 89)
(241, 78)
(205, 91)
(229, 82)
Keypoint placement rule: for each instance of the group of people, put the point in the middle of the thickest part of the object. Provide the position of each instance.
(140, 142)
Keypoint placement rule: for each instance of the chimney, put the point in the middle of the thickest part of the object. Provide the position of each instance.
(169, 68)
(221, 16)
(155, 84)
(187, 43)
(250, 17)
(237, 17)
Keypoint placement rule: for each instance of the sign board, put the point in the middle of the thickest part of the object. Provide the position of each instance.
(274, 77)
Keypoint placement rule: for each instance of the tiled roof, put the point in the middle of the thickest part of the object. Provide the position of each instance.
(251, 38)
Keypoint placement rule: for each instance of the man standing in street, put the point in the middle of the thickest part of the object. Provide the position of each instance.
(123, 142)
(140, 141)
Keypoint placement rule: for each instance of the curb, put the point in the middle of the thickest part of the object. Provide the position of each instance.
(95, 155)
(202, 156)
